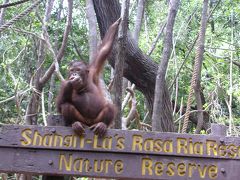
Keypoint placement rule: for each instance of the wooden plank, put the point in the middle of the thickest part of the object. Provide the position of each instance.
(120, 154)
(120, 141)
(109, 165)
(55, 120)
(218, 129)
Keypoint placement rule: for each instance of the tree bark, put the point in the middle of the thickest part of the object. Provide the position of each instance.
(158, 109)
(139, 17)
(2, 13)
(136, 33)
(92, 24)
(119, 65)
(32, 109)
(138, 68)
(53, 78)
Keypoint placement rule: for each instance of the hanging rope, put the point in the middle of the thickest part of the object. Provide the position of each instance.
(13, 4)
(194, 78)
(16, 18)
(193, 84)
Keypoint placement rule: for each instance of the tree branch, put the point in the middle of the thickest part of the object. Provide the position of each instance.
(54, 66)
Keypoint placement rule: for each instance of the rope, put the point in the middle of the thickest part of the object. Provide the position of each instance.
(193, 84)
(15, 19)
(13, 4)
(197, 64)
(194, 76)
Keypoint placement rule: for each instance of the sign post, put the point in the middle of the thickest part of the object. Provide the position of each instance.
(120, 154)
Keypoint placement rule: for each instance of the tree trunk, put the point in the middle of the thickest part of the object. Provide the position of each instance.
(119, 65)
(2, 13)
(32, 109)
(158, 109)
(138, 68)
(92, 24)
(53, 78)
(139, 17)
(136, 33)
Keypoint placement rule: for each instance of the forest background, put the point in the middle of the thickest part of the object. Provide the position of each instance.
(58, 31)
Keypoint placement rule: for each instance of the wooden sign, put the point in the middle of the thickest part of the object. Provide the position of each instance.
(120, 154)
